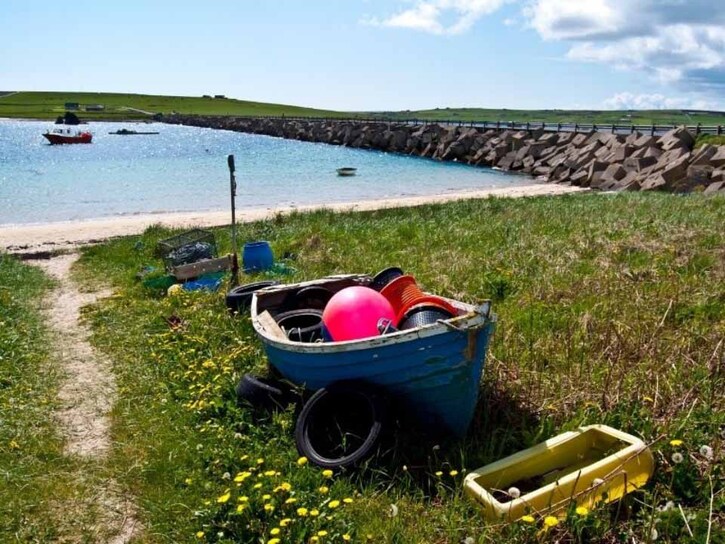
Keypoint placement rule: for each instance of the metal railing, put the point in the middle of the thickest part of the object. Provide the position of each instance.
(502, 125)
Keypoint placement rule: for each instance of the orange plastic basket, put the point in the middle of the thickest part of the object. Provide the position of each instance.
(402, 292)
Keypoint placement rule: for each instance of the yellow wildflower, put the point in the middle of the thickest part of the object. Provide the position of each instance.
(188, 481)
(327, 473)
(582, 510)
(551, 521)
(291, 500)
(528, 519)
(314, 512)
(648, 399)
(285, 522)
(257, 486)
(274, 541)
(324, 489)
(243, 498)
(266, 497)
(269, 507)
(346, 537)
(676, 442)
(286, 486)
(453, 473)
(241, 507)
(302, 512)
(224, 498)
(244, 457)
(439, 473)
(200, 534)
(322, 533)
(275, 531)
(314, 539)
(270, 473)
(334, 504)
(347, 500)
(302, 461)
(260, 461)
(242, 476)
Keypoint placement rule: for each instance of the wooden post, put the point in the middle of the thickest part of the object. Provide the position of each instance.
(233, 190)
(652, 132)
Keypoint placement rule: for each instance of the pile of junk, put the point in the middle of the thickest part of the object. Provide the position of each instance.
(357, 342)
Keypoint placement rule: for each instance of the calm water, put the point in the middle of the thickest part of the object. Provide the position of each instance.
(185, 169)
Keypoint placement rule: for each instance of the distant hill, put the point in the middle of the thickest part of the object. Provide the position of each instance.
(115, 106)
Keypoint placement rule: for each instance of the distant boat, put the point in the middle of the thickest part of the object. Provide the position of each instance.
(346, 171)
(65, 136)
(126, 132)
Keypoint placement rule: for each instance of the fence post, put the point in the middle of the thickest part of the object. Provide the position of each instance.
(558, 127)
(698, 128)
(652, 132)
(498, 125)
(576, 127)
(719, 130)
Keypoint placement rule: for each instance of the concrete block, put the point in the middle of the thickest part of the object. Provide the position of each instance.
(639, 164)
(653, 182)
(699, 174)
(675, 171)
(677, 137)
(703, 154)
(717, 187)
(718, 159)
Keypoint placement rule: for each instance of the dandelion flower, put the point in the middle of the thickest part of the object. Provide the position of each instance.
(439, 473)
(239, 478)
(188, 481)
(224, 498)
(269, 507)
(514, 492)
(257, 485)
(528, 519)
(677, 458)
(676, 442)
(266, 497)
(551, 521)
(200, 534)
(706, 452)
(241, 507)
(327, 473)
(275, 531)
(285, 522)
(291, 500)
(302, 512)
(244, 457)
(226, 476)
(334, 504)
(322, 533)
(453, 473)
(302, 461)
(582, 510)
(324, 489)
(314, 512)
(270, 473)
(286, 486)
(346, 537)
(273, 541)
(260, 461)
(347, 500)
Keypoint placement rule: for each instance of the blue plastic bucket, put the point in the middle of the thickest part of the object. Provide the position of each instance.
(257, 256)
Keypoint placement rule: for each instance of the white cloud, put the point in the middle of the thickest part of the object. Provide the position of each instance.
(433, 15)
(654, 101)
(674, 41)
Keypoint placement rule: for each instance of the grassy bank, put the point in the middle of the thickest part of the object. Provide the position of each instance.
(41, 495)
(611, 310)
(48, 105)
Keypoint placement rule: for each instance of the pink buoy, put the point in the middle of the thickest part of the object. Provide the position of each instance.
(354, 313)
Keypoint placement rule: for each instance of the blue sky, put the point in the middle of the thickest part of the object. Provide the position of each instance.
(375, 54)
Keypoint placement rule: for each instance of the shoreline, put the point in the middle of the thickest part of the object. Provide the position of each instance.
(44, 237)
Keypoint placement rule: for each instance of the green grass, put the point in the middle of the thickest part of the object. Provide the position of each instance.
(44, 496)
(48, 105)
(611, 310)
(711, 139)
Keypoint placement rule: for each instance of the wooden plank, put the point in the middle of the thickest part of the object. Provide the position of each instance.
(194, 270)
(267, 322)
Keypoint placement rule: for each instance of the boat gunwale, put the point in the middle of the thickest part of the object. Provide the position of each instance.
(476, 317)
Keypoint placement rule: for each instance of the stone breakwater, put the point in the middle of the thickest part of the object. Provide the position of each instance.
(599, 160)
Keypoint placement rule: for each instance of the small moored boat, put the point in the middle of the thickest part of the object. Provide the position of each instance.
(65, 136)
(346, 171)
(434, 369)
(127, 132)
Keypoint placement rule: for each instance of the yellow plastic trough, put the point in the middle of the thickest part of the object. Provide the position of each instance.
(593, 465)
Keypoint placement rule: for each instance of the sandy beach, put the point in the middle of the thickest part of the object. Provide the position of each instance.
(31, 238)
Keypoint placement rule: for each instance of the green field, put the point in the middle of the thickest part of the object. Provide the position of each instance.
(611, 310)
(48, 105)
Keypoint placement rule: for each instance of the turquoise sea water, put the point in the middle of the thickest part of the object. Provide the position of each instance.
(185, 169)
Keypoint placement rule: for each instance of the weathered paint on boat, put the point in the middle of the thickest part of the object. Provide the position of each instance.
(435, 369)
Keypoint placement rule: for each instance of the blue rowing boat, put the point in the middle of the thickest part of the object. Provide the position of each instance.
(434, 369)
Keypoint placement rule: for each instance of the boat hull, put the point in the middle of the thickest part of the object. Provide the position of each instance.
(57, 139)
(435, 370)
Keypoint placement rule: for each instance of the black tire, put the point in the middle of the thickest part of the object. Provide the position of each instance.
(263, 393)
(346, 411)
(301, 325)
(239, 298)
